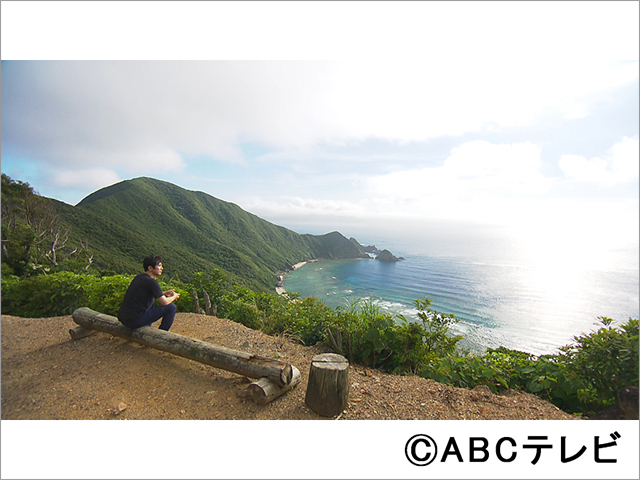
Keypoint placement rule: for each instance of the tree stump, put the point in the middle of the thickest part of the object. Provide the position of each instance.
(328, 387)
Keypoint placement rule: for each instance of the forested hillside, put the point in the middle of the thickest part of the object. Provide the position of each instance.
(192, 231)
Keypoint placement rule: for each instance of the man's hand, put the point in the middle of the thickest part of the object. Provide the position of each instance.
(168, 297)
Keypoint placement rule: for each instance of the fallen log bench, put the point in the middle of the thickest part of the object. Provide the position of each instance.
(275, 376)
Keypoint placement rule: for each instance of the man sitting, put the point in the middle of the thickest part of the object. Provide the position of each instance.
(137, 309)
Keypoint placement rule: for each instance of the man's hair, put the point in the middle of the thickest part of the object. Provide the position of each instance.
(151, 261)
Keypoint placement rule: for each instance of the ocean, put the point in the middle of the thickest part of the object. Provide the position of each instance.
(504, 292)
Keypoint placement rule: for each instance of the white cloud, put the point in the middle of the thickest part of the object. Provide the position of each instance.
(477, 171)
(479, 182)
(619, 166)
(150, 114)
(298, 209)
(93, 178)
(423, 100)
(504, 168)
(151, 159)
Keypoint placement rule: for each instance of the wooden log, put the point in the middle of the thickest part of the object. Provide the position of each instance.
(264, 390)
(242, 363)
(80, 332)
(328, 387)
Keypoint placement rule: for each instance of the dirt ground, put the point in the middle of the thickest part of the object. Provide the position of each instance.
(46, 376)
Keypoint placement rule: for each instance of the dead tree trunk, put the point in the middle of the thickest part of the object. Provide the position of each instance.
(207, 303)
(264, 390)
(196, 305)
(242, 363)
(328, 387)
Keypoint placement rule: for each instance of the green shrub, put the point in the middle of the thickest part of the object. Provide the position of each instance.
(584, 378)
(605, 361)
(44, 295)
(371, 338)
(105, 294)
(62, 292)
(305, 320)
(185, 302)
(362, 333)
(214, 283)
(240, 306)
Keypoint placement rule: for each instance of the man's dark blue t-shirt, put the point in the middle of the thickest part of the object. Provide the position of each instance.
(139, 298)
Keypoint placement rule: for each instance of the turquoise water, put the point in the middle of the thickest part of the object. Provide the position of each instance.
(501, 296)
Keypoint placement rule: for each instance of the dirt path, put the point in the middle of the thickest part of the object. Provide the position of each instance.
(47, 376)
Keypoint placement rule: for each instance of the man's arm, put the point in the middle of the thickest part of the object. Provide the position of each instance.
(168, 297)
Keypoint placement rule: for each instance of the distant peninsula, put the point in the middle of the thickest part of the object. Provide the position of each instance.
(382, 255)
(387, 256)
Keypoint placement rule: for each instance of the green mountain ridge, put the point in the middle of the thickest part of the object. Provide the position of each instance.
(193, 232)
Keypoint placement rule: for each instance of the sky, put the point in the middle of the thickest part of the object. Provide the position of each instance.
(360, 117)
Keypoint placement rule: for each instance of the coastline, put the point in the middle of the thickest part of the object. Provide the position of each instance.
(280, 290)
(371, 252)
(280, 276)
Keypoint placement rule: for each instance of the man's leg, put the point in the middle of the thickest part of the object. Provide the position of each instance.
(164, 312)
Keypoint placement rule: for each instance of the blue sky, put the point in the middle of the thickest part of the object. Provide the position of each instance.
(352, 117)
